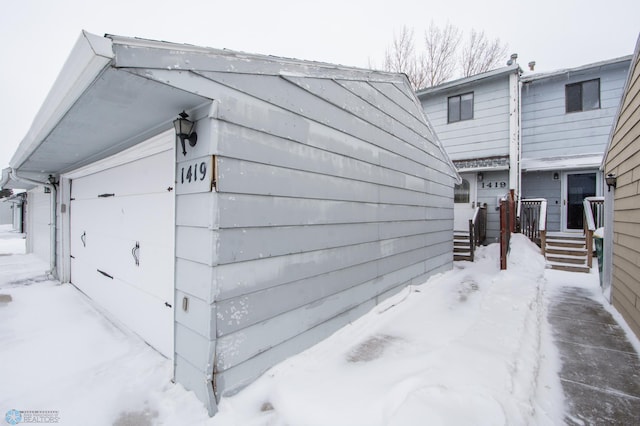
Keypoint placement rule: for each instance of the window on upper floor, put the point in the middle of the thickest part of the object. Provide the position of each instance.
(583, 96)
(460, 107)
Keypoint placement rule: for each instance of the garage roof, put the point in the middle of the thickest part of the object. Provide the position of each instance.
(95, 110)
(105, 99)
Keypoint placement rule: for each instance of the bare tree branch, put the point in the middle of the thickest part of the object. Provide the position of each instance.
(401, 57)
(441, 45)
(479, 54)
(441, 58)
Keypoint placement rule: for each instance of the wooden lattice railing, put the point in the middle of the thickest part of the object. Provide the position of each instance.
(533, 220)
(592, 220)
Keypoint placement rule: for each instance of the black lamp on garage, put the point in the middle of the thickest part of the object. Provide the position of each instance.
(184, 130)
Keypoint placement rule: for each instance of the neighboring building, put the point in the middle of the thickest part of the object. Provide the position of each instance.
(542, 135)
(311, 193)
(622, 203)
(6, 209)
(15, 203)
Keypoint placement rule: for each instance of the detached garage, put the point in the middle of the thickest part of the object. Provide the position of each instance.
(234, 209)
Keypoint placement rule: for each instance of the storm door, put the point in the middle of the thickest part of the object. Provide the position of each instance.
(464, 197)
(578, 187)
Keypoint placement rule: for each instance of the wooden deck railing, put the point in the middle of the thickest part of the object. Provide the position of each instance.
(507, 225)
(593, 219)
(477, 229)
(533, 220)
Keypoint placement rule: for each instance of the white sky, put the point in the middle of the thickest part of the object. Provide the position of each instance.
(37, 35)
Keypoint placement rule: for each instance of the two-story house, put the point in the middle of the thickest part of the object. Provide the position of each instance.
(541, 134)
(477, 120)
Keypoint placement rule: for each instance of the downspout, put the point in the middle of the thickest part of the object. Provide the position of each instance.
(519, 189)
(514, 132)
(52, 272)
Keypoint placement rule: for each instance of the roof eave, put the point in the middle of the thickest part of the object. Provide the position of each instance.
(469, 80)
(90, 56)
(555, 73)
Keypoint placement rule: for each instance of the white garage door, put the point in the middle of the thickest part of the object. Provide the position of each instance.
(122, 244)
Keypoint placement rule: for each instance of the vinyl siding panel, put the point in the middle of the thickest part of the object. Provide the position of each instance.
(542, 185)
(262, 360)
(38, 219)
(548, 131)
(330, 196)
(489, 196)
(623, 159)
(487, 134)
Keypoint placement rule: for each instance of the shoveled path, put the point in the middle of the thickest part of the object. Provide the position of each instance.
(600, 372)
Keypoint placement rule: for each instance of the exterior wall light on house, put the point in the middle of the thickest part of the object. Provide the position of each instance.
(480, 177)
(612, 180)
(184, 131)
(556, 176)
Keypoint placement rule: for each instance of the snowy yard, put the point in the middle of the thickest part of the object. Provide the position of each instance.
(471, 346)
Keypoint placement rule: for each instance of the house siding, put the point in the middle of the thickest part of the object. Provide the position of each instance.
(347, 206)
(329, 199)
(6, 212)
(548, 131)
(487, 134)
(489, 195)
(623, 159)
(38, 219)
(543, 185)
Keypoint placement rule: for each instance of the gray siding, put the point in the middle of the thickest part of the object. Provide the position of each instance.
(542, 185)
(323, 211)
(330, 197)
(549, 132)
(487, 134)
(489, 195)
(38, 218)
(6, 213)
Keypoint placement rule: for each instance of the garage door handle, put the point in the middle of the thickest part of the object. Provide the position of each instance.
(105, 274)
(135, 253)
(83, 238)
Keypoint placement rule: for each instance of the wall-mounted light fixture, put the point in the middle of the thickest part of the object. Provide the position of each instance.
(184, 130)
(556, 176)
(612, 180)
(480, 177)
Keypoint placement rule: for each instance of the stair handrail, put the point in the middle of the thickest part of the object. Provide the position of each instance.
(533, 220)
(542, 226)
(477, 228)
(589, 223)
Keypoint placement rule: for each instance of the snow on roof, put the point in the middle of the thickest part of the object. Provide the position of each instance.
(468, 80)
(528, 77)
(568, 162)
(231, 55)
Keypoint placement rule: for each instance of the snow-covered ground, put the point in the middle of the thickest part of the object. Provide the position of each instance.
(471, 346)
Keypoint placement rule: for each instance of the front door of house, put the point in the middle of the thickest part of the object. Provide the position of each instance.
(577, 187)
(464, 197)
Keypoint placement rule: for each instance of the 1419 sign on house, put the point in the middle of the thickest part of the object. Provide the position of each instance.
(195, 175)
(494, 185)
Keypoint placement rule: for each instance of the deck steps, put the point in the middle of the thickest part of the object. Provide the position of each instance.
(566, 252)
(461, 246)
